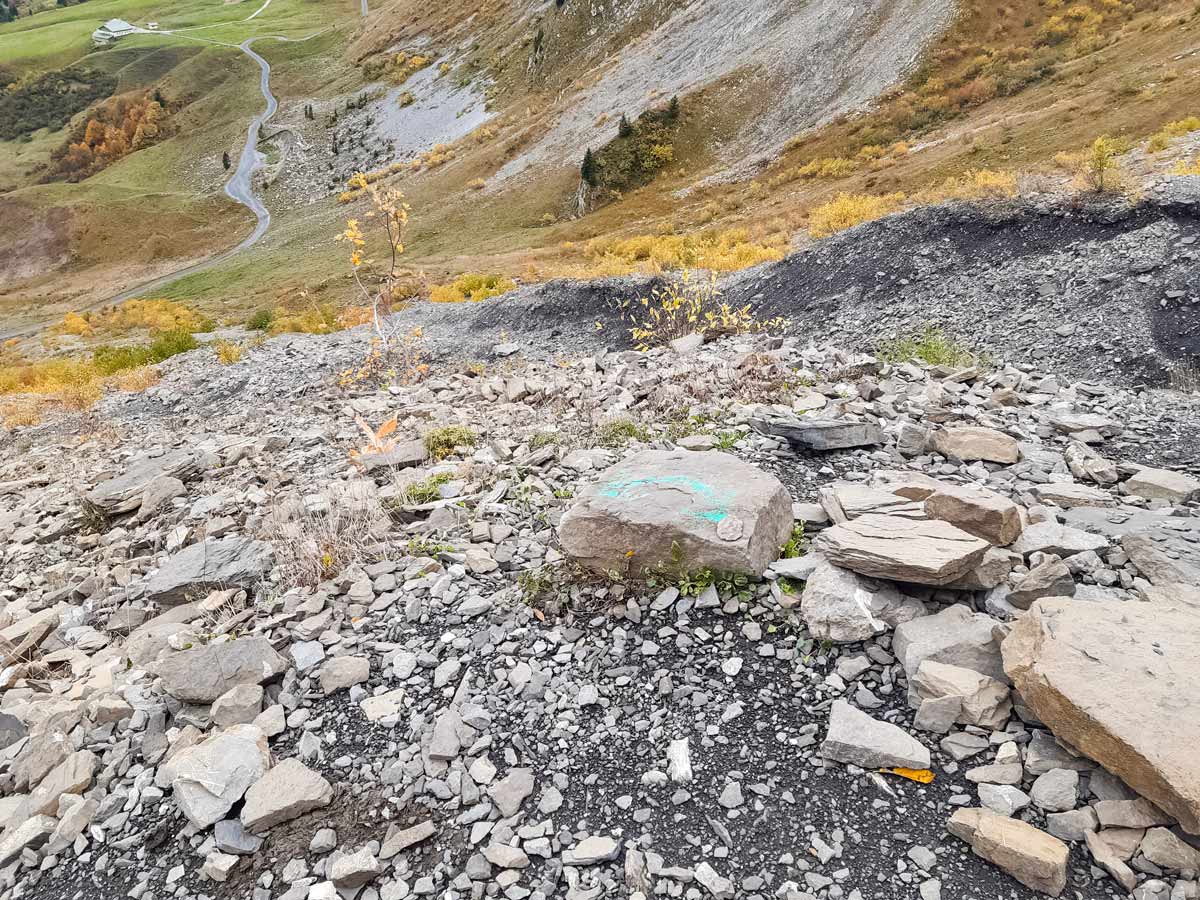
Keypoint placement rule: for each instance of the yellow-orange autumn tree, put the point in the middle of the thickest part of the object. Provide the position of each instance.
(118, 126)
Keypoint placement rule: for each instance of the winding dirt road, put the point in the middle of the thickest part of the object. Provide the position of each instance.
(239, 187)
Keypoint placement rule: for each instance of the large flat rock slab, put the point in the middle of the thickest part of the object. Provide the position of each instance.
(679, 510)
(124, 493)
(821, 434)
(208, 566)
(900, 549)
(1118, 682)
(205, 673)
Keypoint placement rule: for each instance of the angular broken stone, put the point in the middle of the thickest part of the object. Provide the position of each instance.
(591, 850)
(1109, 860)
(821, 434)
(353, 870)
(397, 841)
(1029, 855)
(72, 776)
(289, 790)
(856, 738)
(838, 605)
(342, 672)
(203, 674)
(211, 776)
(240, 705)
(1117, 682)
(124, 493)
(1061, 540)
(1162, 484)
(984, 514)
(1050, 579)
(955, 636)
(922, 552)
(511, 791)
(210, 565)
(679, 511)
(972, 442)
(984, 700)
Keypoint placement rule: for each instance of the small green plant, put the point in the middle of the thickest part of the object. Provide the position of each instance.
(727, 440)
(1100, 164)
(420, 546)
(620, 432)
(441, 442)
(544, 439)
(426, 491)
(796, 545)
(110, 360)
(931, 346)
(564, 493)
(693, 584)
(535, 584)
(261, 320)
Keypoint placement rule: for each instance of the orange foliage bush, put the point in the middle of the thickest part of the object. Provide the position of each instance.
(118, 126)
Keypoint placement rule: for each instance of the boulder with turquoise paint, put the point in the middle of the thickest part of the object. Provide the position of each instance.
(679, 511)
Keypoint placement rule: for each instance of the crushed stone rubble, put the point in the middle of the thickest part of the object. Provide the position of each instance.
(749, 619)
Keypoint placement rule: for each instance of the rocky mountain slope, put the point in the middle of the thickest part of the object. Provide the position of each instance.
(244, 661)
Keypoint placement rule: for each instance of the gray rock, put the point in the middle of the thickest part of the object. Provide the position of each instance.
(231, 836)
(1050, 579)
(821, 434)
(32, 833)
(679, 510)
(839, 605)
(11, 730)
(124, 493)
(1164, 848)
(239, 705)
(955, 636)
(1003, 799)
(343, 672)
(209, 566)
(1056, 790)
(900, 549)
(591, 850)
(399, 840)
(511, 791)
(1074, 824)
(205, 673)
(856, 738)
(354, 869)
(1060, 540)
(506, 856)
(1162, 484)
(72, 776)
(983, 700)
(208, 778)
(289, 790)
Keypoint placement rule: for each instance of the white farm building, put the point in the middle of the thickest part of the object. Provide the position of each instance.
(111, 31)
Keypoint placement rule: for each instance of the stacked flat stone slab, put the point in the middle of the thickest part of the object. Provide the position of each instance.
(899, 549)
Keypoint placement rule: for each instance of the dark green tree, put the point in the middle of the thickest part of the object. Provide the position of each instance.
(588, 170)
(673, 108)
(226, 161)
(624, 129)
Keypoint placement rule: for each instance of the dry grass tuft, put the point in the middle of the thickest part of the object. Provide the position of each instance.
(716, 251)
(472, 288)
(847, 210)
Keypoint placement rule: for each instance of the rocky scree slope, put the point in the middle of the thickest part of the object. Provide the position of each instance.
(238, 665)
